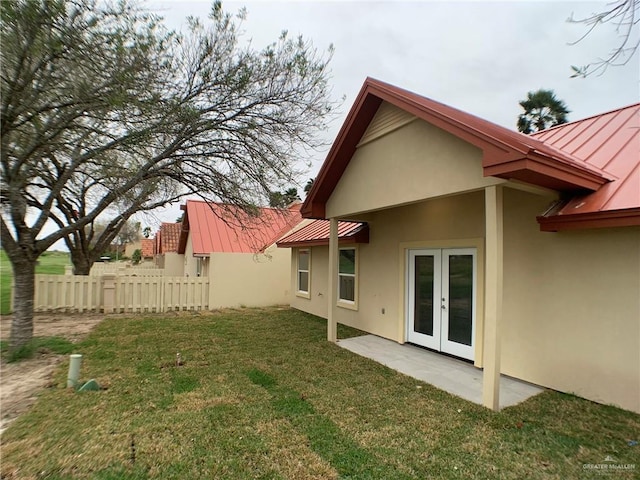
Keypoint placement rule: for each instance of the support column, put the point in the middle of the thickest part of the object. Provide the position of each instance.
(332, 297)
(493, 297)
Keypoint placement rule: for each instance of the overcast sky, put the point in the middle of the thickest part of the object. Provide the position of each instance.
(481, 57)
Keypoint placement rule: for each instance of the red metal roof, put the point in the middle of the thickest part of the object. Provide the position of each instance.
(611, 142)
(318, 231)
(228, 229)
(506, 154)
(601, 155)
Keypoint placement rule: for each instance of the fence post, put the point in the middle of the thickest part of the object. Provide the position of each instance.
(109, 292)
(68, 269)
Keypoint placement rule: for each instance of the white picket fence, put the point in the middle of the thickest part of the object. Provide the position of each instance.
(120, 294)
(71, 293)
(119, 268)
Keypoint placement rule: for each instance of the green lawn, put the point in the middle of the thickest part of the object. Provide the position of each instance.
(263, 395)
(49, 263)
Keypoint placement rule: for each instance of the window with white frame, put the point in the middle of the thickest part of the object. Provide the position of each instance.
(304, 270)
(347, 275)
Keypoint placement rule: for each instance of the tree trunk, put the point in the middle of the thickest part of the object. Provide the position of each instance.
(81, 263)
(24, 271)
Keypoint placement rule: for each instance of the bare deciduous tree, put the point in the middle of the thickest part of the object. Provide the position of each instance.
(625, 16)
(104, 113)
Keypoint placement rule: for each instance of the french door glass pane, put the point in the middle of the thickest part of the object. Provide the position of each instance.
(423, 298)
(460, 298)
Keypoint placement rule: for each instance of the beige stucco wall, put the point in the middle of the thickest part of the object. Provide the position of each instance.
(173, 264)
(190, 262)
(245, 279)
(414, 162)
(571, 299)
(132, 247)
(316, 304)
(571, 312)
(456, 221)
(571, 306)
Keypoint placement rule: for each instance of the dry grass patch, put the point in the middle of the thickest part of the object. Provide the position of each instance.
(198, 400)
(290, 455)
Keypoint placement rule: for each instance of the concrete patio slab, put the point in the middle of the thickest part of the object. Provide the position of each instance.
(454, 376)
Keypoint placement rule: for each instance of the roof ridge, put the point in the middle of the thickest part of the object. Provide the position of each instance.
(291, 207)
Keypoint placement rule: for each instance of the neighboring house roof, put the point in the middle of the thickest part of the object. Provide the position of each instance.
(317, 233)
(147, 247)
(228, 229)
(611, 142)
(507, 154)
(167, 237)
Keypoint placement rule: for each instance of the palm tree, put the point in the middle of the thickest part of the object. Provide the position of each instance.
(309, 184)
(541, 110)
(283, 199)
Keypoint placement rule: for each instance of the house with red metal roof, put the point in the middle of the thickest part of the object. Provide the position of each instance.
(237, 252)
(517, 253)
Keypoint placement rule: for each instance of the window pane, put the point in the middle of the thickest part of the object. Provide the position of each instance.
(303, 281)
(303, 260)
(424, 272)
(348, 261)
(347, 288)
(460, 298)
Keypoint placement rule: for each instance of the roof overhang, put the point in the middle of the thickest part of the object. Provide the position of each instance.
(544, 171)
(577, 221)
(506, 154)
(361, 236)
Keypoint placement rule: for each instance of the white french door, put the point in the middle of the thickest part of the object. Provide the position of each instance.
(441, 292)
